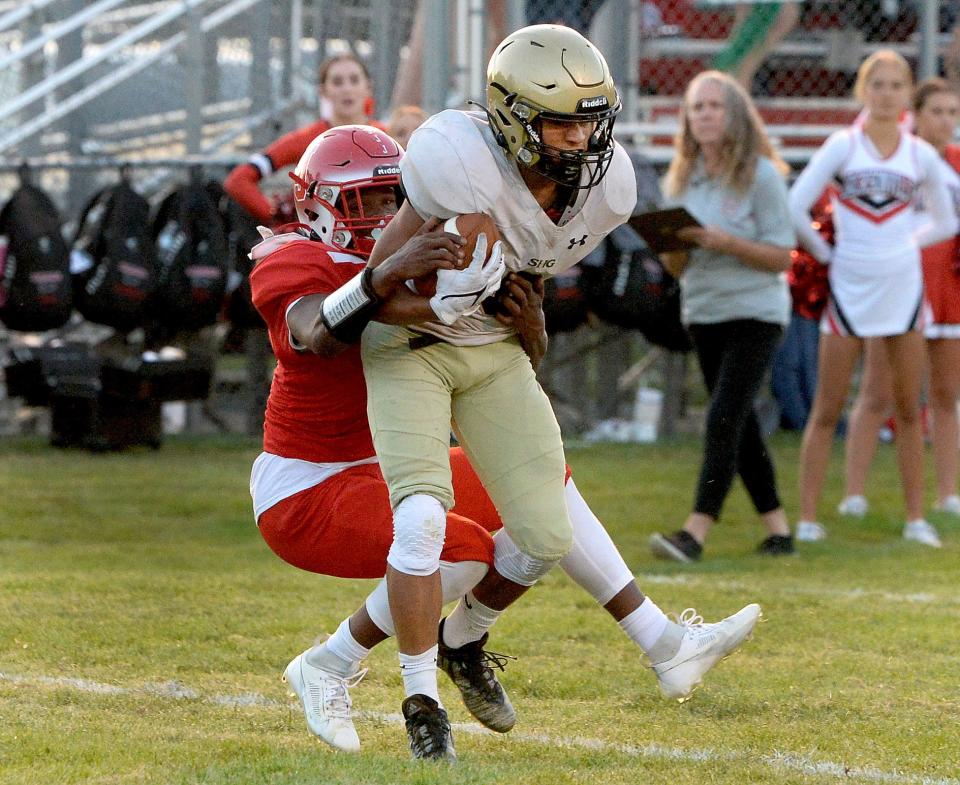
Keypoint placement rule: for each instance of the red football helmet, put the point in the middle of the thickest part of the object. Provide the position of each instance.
(328, 182)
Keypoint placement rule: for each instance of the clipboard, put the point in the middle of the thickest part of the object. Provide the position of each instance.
(659, 228)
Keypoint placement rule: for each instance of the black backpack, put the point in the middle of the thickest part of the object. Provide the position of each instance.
(242, 235)
(192, 260)
(114, 231)
(35, 290)
(630, 288)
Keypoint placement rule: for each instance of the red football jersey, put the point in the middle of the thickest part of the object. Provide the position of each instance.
(317, 409)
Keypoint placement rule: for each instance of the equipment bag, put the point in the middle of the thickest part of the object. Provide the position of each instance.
(630, 288)
(35, 290)
(114, 236)
(564, 303)
(192, 260)
(242, 235)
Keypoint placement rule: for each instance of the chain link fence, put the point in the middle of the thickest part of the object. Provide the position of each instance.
(86, 85)
(116, 80)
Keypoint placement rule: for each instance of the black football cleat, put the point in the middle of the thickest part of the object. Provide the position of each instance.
(428, 729)
(469, 669)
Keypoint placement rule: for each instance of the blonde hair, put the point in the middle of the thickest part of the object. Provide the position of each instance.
(407, 110)
(868, 66)
(744, 139)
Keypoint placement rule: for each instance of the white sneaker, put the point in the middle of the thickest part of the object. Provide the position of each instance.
(326, 702)
(689, 648)
(922, 532)
(809, 531)
(950, 505)
(853, 506)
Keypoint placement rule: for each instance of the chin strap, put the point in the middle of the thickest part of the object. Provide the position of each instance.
(497, 133)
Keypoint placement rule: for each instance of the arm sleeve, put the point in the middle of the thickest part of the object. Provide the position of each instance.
(818, 174)
(771, 208)
(435, 178)
(943, 218)
(243, 183)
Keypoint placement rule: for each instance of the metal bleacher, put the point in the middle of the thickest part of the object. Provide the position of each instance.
(803, 88)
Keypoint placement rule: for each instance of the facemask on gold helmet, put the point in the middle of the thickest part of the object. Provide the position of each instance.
(549, 72)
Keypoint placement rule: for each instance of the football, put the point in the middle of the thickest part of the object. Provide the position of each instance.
(468, 226)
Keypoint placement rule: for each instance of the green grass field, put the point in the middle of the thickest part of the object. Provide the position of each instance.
(144, 626)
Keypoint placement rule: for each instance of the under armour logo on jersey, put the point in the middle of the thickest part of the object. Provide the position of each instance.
(574, 241)
(475, 295)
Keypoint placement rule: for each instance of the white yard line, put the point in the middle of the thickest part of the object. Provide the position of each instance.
(913, 598)
(778, 761)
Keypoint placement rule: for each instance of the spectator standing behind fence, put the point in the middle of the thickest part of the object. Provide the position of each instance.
(404, 120)
(758, 27)
(936, 109)
(345, 95)
(875, 276)
(734, 296)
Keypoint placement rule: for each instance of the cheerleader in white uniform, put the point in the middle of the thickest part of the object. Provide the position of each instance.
(936, 107)
(875, 274)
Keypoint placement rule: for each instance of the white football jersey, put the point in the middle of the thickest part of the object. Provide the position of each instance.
(453, 165)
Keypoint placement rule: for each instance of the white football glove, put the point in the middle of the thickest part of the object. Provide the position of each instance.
(461, 292)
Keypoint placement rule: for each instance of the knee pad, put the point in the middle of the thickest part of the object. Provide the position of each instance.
(457, 578)
(419, 527)
(514, 565)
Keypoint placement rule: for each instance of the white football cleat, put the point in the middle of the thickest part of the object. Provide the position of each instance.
(853, 506)
(922, 532)
(325, 698)
(689, 648)
(951, 505)
(809, 531)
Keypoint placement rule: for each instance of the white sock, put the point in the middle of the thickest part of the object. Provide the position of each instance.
(468, 622)
(645, 625)
(593, 563)
(419, 673)
(340, 652)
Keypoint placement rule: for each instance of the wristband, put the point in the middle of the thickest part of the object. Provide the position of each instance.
(347, 311)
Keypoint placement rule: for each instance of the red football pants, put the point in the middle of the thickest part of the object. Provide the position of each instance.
(344, 526)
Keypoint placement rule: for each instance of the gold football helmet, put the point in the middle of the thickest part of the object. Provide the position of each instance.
(552, 72)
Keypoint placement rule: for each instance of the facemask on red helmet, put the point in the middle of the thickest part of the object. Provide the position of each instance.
(329, 182)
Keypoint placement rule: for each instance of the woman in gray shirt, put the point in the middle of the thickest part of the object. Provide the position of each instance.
(734, 296)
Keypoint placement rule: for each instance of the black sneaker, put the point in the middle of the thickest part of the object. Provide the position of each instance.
(469, 669)
(428, 729)
(678, 546)
(777, 545)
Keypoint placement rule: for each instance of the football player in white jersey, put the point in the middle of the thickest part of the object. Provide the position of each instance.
(542, 162)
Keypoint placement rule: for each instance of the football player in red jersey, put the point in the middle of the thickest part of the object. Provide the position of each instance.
(319, 497)
(344, 85)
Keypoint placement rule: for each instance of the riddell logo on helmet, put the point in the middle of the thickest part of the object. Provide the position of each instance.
(385, 171)
(599, 102)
